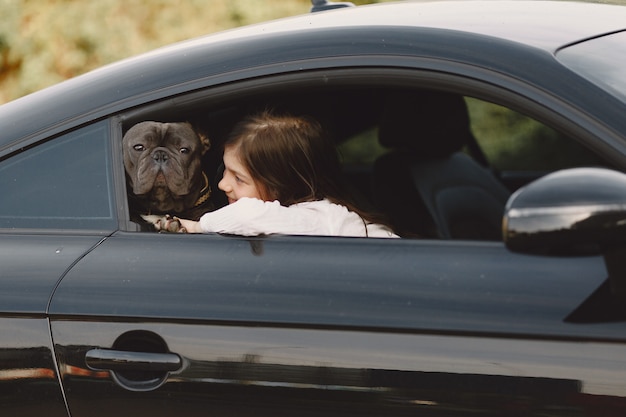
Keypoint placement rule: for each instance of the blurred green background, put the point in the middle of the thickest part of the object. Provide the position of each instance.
(43, 42)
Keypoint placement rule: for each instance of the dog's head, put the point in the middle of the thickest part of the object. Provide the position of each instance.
(163, 164)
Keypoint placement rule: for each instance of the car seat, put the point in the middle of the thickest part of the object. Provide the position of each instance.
(426, 184)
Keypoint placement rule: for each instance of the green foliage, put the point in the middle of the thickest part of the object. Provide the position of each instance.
(362, 149)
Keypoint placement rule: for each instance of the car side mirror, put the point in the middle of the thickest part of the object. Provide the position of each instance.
(579, 211)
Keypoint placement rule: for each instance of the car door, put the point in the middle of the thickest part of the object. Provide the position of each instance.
(193, 324)
(56, 205)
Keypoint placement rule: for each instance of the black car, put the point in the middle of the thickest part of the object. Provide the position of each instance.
(492, 135)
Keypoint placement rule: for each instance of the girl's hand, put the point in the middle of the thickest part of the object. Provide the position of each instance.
(189, 226)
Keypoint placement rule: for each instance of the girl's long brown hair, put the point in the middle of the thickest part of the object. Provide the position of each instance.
(292, 160)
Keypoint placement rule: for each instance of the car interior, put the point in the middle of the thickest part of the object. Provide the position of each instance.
(411, 154)
(444, 191)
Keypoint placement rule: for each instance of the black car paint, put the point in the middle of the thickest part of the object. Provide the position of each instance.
(30, 284)
(277, 281)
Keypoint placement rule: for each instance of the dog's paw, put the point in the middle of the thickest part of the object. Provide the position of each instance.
(165, 223)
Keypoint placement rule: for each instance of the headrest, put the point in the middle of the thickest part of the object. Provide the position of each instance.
(428, 124)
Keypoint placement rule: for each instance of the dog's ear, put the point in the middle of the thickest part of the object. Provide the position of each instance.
(206, 142)
(204, 138)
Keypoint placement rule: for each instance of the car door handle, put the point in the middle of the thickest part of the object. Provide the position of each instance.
(120, 361)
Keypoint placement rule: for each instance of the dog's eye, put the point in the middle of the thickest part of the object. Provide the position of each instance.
(139, 147)
(185, 150)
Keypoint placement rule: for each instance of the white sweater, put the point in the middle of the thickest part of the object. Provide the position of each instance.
(251, 217)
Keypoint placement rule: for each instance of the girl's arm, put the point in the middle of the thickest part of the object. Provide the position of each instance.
(190, 226)
(251, 217)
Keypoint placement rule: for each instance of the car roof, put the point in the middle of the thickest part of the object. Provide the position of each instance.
(546, 25)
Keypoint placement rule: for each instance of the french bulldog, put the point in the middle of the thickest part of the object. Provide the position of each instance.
(164, 173)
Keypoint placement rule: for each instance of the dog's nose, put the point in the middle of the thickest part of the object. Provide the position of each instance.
(160, 157)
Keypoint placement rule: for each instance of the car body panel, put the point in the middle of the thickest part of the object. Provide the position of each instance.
(33, 264)
(553, 25)
(432, 286)
(591, 59)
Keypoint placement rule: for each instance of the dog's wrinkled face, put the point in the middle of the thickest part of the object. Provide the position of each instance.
(164, 165)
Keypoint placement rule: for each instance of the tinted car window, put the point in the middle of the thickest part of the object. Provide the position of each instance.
(63, 183)
(513, 141)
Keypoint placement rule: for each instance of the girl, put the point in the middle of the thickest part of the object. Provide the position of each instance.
(282, 175)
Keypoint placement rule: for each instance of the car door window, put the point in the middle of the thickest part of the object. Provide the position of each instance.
(64, 183)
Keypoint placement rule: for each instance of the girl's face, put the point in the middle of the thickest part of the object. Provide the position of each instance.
(237, 181)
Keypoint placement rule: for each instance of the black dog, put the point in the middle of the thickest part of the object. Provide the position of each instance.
(164, 170)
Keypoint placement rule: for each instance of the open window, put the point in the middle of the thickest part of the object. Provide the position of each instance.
(434, 130)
